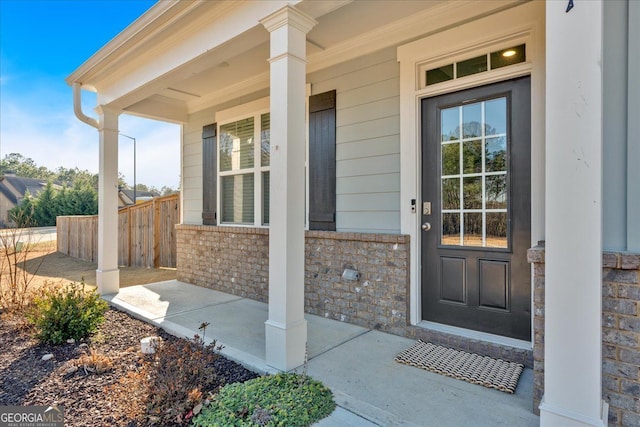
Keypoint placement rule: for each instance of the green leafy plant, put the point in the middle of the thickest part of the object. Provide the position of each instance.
(67, 312)
(285, 399)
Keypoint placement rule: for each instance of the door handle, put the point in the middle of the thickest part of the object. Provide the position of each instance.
(426, 226)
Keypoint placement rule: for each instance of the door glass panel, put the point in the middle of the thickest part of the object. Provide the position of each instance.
(495, 112)
(472, 229)
(450, 124)
(472, 192)
(472, 156)
(472, 120)
(451, 159)
(497, 229)
(496, 154)
(476, 214)
(450, 229)
(451, 193)
(496, 191)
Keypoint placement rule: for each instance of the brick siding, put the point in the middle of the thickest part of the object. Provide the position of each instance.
(620, 334)
(235, 260)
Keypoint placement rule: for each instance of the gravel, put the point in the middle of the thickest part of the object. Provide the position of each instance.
(113, 398)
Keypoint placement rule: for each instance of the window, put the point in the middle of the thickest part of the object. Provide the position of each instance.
(490, 61)
(243, 169)
(474, 174)
(236, 165)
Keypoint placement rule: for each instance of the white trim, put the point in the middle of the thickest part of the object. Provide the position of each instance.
(436, 19)
(256, 108)
(555, 415)
(306, 156)
(520, 24)
(242, 111)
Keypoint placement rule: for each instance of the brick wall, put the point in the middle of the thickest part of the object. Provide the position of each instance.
(379, 300)
(235, 260)
(620, 334)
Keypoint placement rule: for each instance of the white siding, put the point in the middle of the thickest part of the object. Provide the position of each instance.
(368, 144)
(368, 141)
(192, 166)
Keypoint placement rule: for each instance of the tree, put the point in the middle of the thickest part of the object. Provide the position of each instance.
(22, 214)
(24, 167)
(44, 208)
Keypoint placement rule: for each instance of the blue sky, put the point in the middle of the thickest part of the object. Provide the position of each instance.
(41, 43)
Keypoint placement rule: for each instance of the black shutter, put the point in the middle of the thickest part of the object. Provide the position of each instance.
(209, 174)
(322, 161)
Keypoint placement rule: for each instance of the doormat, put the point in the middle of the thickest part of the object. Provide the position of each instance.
(470, 367)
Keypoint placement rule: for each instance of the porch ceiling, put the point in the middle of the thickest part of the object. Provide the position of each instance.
(172, 64)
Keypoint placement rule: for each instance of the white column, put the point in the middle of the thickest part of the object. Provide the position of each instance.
(107, 274)
(286, 328)
(573, 360)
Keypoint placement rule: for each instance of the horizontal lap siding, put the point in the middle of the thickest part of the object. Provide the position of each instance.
(368, 141)
(192, 166)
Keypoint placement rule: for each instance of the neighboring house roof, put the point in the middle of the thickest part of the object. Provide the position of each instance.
(129, 193)
(125, 196)
(15, 187)
(8, 193)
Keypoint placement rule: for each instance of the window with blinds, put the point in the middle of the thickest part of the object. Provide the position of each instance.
(244, 170)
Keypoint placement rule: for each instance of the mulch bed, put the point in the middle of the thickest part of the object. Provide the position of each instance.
(114, 398)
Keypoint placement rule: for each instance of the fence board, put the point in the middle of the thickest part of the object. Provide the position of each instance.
(146, 234)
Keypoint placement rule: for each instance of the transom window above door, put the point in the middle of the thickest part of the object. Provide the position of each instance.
(244, 170)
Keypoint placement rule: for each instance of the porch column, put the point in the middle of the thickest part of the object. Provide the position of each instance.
(572, 358)
(107, 274)
(286, 328)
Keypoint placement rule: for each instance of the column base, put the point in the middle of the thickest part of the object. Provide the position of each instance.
(108, 281)
(286, 345)
(552, 416)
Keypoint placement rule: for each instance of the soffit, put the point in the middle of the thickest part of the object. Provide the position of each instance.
(240, 66)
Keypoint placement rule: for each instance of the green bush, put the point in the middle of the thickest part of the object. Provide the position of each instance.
(277, 400)
(67, 312)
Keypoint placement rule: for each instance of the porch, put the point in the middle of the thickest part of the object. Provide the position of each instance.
(355, 362)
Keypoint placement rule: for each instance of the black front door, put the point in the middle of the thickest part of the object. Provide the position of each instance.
(476, 213)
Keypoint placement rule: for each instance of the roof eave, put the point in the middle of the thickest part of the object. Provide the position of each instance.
(160, 15)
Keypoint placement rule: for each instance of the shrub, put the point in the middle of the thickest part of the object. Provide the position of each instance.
(17, 271)
(284, 399)
(67, 312)
(184, 373)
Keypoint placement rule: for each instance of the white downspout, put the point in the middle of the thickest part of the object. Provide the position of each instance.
(77, 107)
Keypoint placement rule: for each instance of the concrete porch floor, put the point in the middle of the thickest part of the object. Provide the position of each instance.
(356, 363)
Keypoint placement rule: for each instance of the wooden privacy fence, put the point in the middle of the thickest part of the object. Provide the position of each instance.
(146, 234)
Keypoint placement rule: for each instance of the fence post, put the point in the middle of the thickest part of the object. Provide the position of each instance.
(156, 233)
(129, 240)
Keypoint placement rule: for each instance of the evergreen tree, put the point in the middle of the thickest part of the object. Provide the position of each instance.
(22, 214)
(44, 211)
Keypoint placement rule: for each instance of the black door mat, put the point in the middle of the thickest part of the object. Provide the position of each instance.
(470, 367)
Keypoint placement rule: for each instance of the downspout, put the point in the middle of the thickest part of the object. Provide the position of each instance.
(77, 107)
